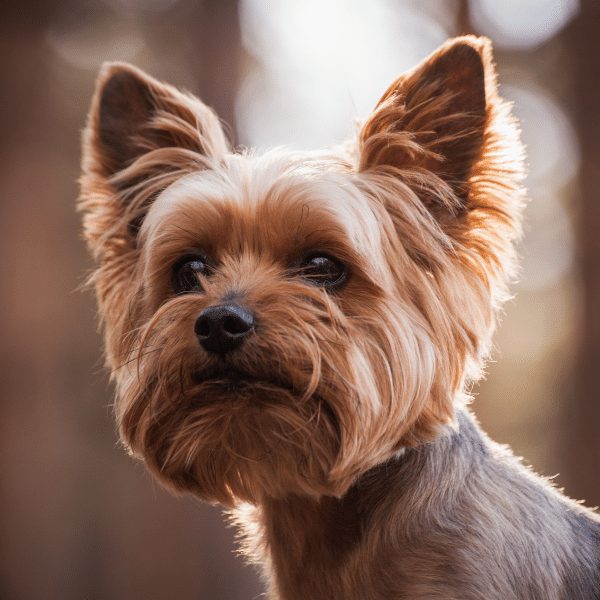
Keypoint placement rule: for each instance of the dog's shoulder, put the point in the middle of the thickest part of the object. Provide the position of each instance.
(583, 581)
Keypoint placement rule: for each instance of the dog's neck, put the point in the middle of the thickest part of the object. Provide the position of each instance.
(322, 549)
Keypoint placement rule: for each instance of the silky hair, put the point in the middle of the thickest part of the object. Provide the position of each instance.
(423, 209)
(337, 433)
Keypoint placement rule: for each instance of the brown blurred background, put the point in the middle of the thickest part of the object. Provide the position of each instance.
(80, 520)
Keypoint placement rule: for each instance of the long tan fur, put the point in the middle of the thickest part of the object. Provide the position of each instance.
(346, 451)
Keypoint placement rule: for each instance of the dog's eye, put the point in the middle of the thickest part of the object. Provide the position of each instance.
(323, 271)
(186, 271)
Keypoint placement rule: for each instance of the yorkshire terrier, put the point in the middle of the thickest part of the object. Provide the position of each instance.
(292, 336)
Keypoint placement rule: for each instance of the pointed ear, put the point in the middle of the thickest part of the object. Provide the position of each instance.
(133, 113)
(141, 135)
(434, 117)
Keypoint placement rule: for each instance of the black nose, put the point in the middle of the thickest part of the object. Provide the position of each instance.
(223, 328)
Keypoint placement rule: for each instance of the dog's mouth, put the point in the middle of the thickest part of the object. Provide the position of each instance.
(233, 379)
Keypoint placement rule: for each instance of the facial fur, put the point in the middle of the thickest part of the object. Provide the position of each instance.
(420, 211)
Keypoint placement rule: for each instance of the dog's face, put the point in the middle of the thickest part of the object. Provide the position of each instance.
(281, 323)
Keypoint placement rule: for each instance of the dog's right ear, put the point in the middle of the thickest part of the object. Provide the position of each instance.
(141, 135)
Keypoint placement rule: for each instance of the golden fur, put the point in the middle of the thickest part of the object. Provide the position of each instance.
(423, 210)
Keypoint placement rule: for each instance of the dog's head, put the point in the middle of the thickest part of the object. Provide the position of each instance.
(281, 323)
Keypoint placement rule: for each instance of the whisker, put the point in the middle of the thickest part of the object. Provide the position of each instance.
(137, 357)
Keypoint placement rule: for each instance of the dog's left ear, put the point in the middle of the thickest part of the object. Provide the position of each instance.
(434, 117)
(141, 135)
(132, 114)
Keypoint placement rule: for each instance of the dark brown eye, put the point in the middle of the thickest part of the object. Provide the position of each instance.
(186, 271)
(323, 271)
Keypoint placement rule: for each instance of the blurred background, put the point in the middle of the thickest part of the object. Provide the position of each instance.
(79, 519)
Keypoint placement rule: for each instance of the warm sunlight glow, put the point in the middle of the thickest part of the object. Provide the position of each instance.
(519, 23)
(323, 63)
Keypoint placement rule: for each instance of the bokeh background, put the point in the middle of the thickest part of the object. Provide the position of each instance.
(80, 520)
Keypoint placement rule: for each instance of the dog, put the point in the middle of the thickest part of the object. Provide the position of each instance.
(292, 336)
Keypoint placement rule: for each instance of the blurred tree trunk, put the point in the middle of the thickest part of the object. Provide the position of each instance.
(214, 54)
(220, 40)
(582, 443)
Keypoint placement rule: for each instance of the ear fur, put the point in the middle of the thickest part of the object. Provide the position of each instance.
(435, 116)
(133, 113)
(442, 139)
(141, 135)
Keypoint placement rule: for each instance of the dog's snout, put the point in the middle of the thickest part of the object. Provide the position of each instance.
(223, 328)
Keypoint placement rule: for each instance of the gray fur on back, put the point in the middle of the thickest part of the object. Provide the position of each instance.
(468, 521)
